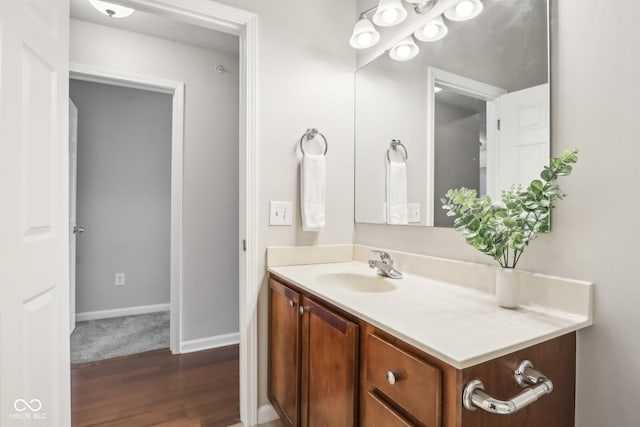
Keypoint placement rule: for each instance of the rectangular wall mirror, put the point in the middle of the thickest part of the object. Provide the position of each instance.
(470, 110)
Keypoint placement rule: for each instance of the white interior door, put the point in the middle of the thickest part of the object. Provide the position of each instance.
(34, 243)
(73, 229)
(523, 139)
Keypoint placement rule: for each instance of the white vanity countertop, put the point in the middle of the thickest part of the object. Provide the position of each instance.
(459, 325)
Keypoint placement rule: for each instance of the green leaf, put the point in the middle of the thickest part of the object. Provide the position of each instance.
(536, 186)
(547, 174)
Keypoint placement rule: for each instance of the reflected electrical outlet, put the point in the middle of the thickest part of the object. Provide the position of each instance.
(414, 212)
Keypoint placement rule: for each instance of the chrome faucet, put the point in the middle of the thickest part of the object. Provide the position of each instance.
(384, 267)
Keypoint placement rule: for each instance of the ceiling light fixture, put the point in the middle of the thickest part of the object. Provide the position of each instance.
(464, 10)
(432, 31)
(404, 50)
(112, 10)
(389, 13)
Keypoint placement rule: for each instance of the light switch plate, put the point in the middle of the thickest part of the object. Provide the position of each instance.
(414, 212)
(281, 213)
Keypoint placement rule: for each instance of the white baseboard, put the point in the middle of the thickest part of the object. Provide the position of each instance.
(266, 413)
(128, 311)
(209, 342)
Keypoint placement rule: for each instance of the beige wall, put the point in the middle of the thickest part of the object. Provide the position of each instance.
(305, 79)
(595, 69)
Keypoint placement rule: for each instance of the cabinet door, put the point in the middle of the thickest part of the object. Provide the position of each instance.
(284, 351)
(329, 368)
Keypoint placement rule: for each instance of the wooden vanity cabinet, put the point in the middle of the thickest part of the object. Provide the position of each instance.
(399, 386)
(428, 392)
(328, 369)
(284, 352)
(313, 361)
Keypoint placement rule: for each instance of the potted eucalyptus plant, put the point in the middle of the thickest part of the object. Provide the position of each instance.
(504, 230)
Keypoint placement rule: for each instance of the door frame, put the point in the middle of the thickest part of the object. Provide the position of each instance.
(471, 88)
(244, 24)
(176, 89)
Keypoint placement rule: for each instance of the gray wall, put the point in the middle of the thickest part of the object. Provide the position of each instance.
(210, 193)
(124, 195)
(456, 155)
(595, 92)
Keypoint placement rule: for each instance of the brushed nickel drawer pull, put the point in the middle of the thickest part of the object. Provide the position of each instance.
(475, 397)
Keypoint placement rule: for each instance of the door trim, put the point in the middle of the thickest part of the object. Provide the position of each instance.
(176, 89)
(244, 24)
(465, 86)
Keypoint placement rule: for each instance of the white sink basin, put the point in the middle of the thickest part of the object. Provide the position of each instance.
(357, 282)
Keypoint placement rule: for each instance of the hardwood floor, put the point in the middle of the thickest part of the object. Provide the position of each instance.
(158, 389)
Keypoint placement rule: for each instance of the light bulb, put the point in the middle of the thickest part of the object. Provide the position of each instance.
(364, 35)
(464, 8)
(365, 39)
(430, 31)
(112, 10)
(403, 51)
(390, 15)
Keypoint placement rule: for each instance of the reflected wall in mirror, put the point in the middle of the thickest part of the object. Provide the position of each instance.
(471, 110)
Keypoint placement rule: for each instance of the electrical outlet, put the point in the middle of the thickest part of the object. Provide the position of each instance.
(119, 279)
(280, 213)
(414, 212)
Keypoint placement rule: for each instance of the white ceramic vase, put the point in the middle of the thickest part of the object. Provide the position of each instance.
(508, 288)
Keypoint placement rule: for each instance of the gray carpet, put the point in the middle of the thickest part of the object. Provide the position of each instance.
(100, 339)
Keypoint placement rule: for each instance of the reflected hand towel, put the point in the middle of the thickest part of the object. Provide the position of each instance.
(397, 209)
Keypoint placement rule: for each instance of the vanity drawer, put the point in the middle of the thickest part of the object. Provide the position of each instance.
(377, 413)
(411, 383)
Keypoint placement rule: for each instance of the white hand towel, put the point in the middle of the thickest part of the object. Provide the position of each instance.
(313, 173)
(397, 209)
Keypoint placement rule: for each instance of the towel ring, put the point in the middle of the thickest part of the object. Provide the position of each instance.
(309, 135)
(395, 143)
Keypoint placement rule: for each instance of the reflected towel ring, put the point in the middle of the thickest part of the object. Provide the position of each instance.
(309, 135)
(395, 143)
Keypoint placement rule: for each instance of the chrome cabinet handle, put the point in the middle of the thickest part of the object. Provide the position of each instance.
(78, 230)
(291, 303)
(475, 397)
(391, 378)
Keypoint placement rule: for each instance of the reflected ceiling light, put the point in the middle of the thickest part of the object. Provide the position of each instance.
(437, 89)
(434, 30)
(389, 12)
(112, 10)
(463, 10)
(364, 34)
(404, 50)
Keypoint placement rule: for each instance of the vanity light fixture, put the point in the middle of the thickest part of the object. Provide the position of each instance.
(404, 50)
(464, 10)
(111, 10)
(364, 34)
(389, 13)
(432, 31)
